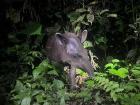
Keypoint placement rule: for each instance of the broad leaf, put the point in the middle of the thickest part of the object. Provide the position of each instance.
(115, 61)
(81, 10)
(87, 44)
(90, 18)
(58, 84)
(32, 29)
(26, 101)
(109, 65)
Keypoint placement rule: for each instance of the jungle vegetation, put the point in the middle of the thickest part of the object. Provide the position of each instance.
(113, 42)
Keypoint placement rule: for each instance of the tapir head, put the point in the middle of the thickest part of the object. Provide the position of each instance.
(67, 48)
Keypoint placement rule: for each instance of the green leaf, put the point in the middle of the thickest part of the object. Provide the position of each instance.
(93, 2)
(87, 44)
(35, 92)
(73, 16)
(26, 101)
(40, 98)
(136, 73)
(122, 72)
(36, 103)
(137, 67)
(81, 10)
(90, 18)
(58, 84)
(118, 90)
(132, 26)
(81, 72)
(132, 53)
(99, 40)
(62, 101)
(104, 11)
(90, 83)
(85, 94)
(77, 29)
(85, 23)
(32, 29)
(130, 86)
(115, 61)
(80, 18)
(112, 15)
(98, 98)
(54, 29)
(35, 53)
(43, 66)
(109, 65)
(46, 103)
(114, 96)
(53, 72)
(19, 87)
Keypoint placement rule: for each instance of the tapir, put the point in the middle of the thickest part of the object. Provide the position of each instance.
(67, 48)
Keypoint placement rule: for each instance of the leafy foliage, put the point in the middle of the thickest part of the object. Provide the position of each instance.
(38, 90)
(28, 78)
(104, 88)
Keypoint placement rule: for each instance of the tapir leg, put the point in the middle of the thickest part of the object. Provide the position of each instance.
(72, 74)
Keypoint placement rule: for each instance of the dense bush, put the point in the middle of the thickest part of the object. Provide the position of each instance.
(28, 78)
(118, 84)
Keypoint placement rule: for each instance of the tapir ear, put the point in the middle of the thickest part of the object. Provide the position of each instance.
(57, 33)
(83, 36)
(62, 40)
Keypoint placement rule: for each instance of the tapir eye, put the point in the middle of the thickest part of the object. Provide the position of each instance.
(76, 56)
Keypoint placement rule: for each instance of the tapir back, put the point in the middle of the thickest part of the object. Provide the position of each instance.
(67, 48)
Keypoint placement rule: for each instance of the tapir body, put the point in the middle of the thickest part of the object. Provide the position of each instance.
(67, 48)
